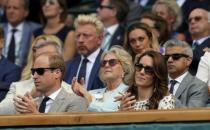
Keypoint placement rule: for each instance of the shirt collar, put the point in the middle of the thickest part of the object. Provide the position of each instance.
(200, 41)
(54, 94)
(91, 58)
(180, 78)
(19, 27)
(112, 29)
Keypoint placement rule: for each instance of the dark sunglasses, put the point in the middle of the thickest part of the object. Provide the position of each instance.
(197, 19)
(40, 71)
(49, 2)
(105, 6)
(175, 56)
(147, 69)
(111, 62)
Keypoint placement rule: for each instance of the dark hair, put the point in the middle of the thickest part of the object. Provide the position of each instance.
(63, 15)
(121, 7)
(160, 79)
(1, 32)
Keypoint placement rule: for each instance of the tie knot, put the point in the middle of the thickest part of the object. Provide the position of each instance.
(173, 82)
(45, 99)
(85, 60)
(14, 30)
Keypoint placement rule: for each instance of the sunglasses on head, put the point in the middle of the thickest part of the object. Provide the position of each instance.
(49, 2)
(105, 6)
(175, 56)
(196, 18)
(111, 62)
(40, 71)
(147, 69)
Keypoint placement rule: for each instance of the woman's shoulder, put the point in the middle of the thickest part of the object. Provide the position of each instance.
(168, 102)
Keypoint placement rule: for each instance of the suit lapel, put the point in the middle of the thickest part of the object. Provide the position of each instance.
(183, 85)
(117, 37)
(58, 101)
(94, 71)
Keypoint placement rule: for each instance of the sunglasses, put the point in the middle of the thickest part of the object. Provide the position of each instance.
(197, 19)
(105, 6)
(48, 2)
(175, 56)
(147, 69)
(40, 71)
(111, 62)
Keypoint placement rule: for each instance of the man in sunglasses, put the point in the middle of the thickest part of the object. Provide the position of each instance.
(113, 13)
(48, 70)
(199, 26)
(188, 90)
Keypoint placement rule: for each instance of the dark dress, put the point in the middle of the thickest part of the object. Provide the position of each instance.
(62, 34)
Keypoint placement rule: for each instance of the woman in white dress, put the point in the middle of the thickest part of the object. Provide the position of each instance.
(150, 89)
(116, 72)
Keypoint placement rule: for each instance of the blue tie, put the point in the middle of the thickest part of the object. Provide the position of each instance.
(43, 105)
(173, 82)
(11, 52)
(195, 45)
(82, 71)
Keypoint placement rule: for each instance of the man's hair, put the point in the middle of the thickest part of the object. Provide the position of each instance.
(121, 7)
(90, 19)
(187, 48)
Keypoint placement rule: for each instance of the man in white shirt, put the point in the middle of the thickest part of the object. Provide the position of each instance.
(48, 70)
(188, 90)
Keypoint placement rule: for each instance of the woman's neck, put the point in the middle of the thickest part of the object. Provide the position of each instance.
(53, 22)
(111, 85)
(144, 93)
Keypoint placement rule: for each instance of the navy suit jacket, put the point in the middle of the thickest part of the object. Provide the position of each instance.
(28, 29)
(9, 73)
(118, 37)
(72, 68)
(197, 53)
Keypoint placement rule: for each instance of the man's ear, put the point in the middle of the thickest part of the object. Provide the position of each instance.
(189, 61)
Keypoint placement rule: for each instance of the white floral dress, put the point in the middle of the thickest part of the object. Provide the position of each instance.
(168, 102)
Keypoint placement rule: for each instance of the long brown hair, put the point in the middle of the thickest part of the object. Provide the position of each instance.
(160, 79)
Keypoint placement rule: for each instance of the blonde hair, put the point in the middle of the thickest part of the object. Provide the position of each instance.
(126, 61)
(89, 19)
(48, 38)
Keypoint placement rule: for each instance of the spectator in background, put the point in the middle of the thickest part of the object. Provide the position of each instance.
(54, 14)
(116, 72)
(158, 24)
(41, 44)
(199, 26)
(48, 71)
(113, 13)
(138, 38)
(189, 91)
(171, 12)
(18, 32)
(203, 72)
(9, 72)
(150, 90)
(89, 35)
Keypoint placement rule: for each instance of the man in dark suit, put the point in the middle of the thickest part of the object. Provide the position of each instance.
(48, 70)
(189, 91)
(113, 13)
(199, 25)
(9, 72)
(89, 35)
(18, 32)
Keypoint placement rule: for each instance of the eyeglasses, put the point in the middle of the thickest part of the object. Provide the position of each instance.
(105, 6)
(111, 62)
(197, 19)
(175, 56)
(147, 69)
(48, 2)
(40, 71)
